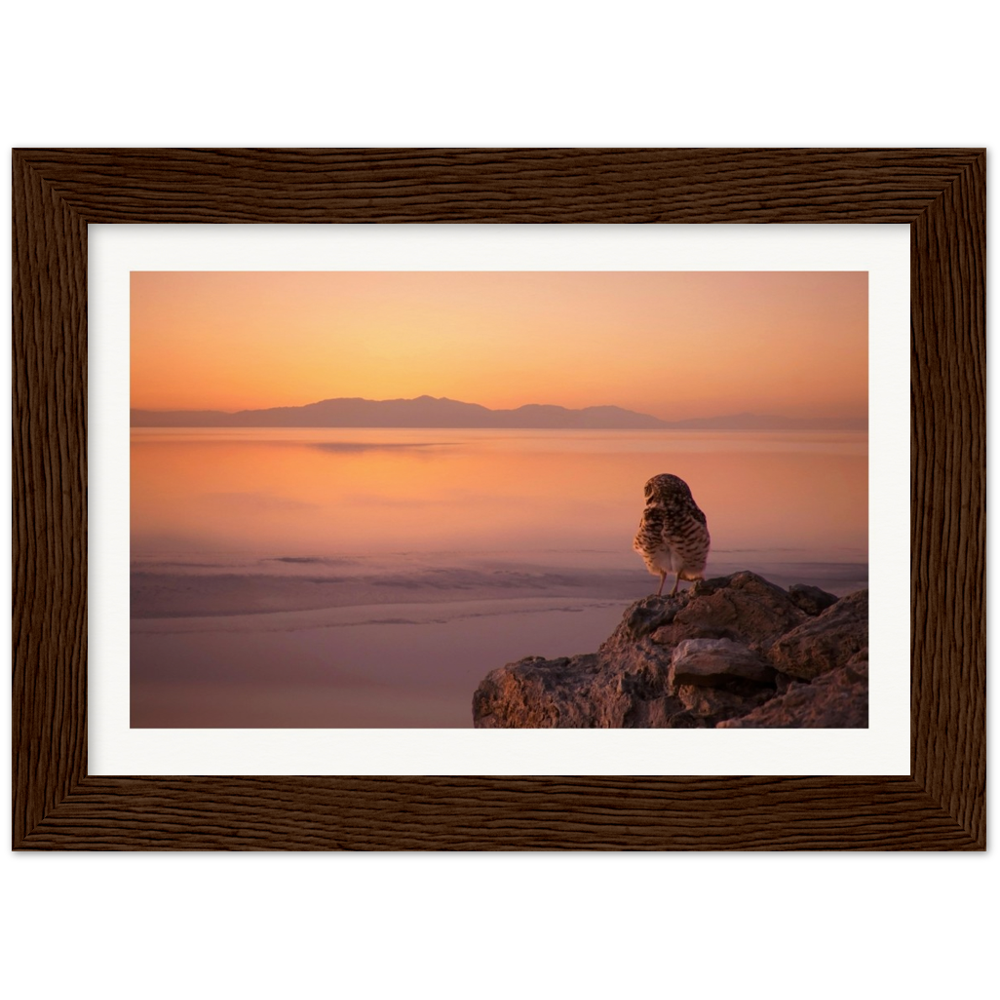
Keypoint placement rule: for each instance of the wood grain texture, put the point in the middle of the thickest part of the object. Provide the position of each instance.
(939, 193)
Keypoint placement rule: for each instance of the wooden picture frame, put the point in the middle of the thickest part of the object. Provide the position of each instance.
(940, 194)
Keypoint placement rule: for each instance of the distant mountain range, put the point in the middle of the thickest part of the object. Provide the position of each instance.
(427, 411)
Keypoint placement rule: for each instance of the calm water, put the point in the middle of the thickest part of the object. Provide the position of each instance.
(372, 577)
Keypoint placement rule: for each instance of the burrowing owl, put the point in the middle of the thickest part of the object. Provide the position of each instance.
(673, 532)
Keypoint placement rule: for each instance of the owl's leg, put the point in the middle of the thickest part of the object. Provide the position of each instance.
(663, 578)
(677, 580)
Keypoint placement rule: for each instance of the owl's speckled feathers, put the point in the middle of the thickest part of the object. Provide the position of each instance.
(673, 533)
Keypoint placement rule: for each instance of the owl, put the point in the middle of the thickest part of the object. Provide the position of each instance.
(673, 533)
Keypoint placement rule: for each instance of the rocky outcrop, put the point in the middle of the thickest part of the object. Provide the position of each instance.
(735, 651)
(821, 644)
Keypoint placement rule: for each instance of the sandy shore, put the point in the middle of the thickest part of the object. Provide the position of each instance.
(414, 665)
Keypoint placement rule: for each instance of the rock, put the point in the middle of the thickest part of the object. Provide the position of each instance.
(714, 705)
(811, 600)
(825, 642)
(743, 607)
(716, 679)
(649, 614)
(579, 692)
(537, 693)
(837, 699)
(658, 713)
(729, 651)
(718, 663)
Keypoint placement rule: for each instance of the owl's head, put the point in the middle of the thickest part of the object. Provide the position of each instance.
(665, 485)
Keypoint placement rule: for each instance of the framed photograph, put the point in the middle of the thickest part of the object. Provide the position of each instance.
(332, 587)
(367, 798)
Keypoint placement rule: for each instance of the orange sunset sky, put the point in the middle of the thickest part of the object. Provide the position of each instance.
(671, 344)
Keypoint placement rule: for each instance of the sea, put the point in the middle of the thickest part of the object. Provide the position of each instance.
(370, 578)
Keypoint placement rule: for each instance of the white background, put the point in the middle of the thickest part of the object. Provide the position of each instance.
(518, 73)
(541, 932)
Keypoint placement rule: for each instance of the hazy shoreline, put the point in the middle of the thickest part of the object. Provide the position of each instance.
(201, 594)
